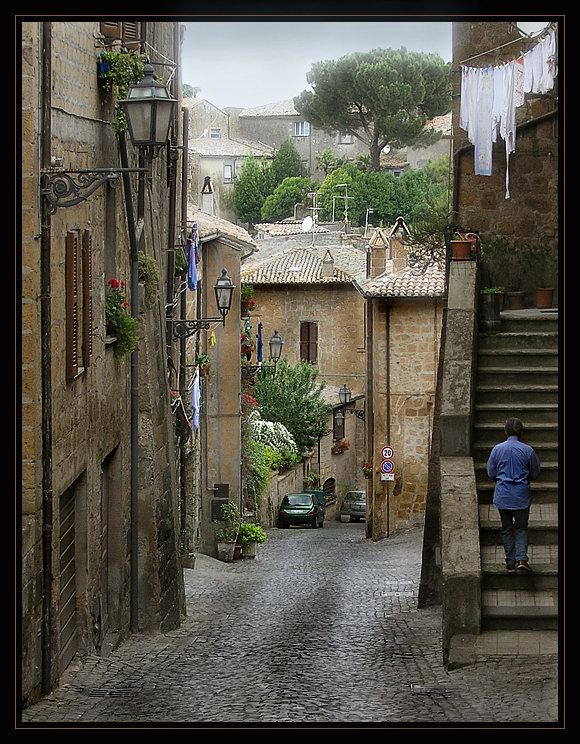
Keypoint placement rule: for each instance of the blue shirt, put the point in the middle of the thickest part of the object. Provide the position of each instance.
(512, 463)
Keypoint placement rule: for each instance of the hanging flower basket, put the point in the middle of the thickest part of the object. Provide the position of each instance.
(367, 469)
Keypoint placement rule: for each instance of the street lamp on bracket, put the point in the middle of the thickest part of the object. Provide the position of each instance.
(224, 289)
(148, 108)
(345, 395)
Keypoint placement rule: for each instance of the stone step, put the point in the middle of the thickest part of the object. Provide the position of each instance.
(542, 493)
(542, 578)
(546, 451)
(538, 534)
(519, 620)
(529, 320)
(519, 340)
(516, 394)
(529, 413)
(548, 476)
(522, 358)
(524, 376)
(542, 558)
(541, 515)
(534, 433)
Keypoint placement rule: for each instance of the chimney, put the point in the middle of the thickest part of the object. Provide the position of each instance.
(327, 266)
(207, 204)
(377, 247)
(398, 252)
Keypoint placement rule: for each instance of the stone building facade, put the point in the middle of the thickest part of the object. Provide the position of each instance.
(404, 313)
(306, 293)
(95, 563)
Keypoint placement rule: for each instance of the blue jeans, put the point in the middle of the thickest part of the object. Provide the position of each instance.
(514, 533)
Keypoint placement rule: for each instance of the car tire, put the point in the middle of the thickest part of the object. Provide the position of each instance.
(321, 524)
(315, 523)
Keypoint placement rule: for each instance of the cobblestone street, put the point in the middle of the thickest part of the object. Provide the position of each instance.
(322, 627)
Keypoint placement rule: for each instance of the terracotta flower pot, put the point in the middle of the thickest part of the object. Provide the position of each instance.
(515, 300)
(544, 297)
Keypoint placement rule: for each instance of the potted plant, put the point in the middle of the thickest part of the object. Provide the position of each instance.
(341, 446)
(119, 324)
(117, 69)
(367, 469)
(250, 536)
(226, 531)
(464, 246)
(202, 361)
(489, 308)
(246, 345)
(540, 269)
(246, 299)
(311, 480)
(148, 273)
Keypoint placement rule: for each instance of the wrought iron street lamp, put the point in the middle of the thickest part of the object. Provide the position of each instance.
(275, 344)
(224, 289)
(345, 395)
(148, 108)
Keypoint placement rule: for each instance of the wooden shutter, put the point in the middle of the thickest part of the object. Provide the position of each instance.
(313, 343)
(127, 32)
(72, 304)
(67, 596)
(87, 298)
(304, 342)
(111, 30)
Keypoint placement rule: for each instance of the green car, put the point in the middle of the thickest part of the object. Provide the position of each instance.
(300, 508)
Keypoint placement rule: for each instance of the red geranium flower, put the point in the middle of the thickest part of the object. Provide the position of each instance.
(113, 283)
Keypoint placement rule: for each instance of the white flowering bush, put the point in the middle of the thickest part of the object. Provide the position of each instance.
(271, 433)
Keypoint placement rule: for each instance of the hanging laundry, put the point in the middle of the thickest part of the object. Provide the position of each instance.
(193, 257)
(195, 396)
(260, 349)
(490, 96)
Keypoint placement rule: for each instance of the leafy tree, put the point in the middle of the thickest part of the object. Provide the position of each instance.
(352, 177)
(294, 398)
(281, 203)
(327, 161)
(381, 97)
(249, 191)
(286, 164)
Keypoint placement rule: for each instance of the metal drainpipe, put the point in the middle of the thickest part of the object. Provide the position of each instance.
(46, 368)
(183, 342)
(134, 476)
(457, 155)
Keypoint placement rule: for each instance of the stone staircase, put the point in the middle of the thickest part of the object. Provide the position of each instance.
(517, 375)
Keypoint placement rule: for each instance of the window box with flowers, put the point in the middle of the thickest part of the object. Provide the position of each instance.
(341, 446)
(246, 299)
(367, 469)
(120, 325)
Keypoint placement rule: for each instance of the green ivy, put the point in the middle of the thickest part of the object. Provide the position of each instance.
(149, 275)
(117, 71)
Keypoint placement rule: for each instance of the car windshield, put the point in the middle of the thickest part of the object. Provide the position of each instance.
(355, 496)
(298, 500)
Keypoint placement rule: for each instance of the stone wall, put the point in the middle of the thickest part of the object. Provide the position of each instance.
(200, 167)
(339, 312)
(403, 394)
(31, 407)
(532, 210)
(91, 413)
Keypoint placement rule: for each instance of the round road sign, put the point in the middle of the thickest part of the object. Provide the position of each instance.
(387, 453)
(387, 466)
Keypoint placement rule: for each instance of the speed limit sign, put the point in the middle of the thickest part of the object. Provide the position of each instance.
(387, 453)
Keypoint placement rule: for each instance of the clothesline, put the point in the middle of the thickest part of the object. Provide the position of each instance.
(513, 41)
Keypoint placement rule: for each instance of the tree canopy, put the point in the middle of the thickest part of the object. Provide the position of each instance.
(286, 164)
(294, 398)
(381, 97)
(280, 204)
(250, 191)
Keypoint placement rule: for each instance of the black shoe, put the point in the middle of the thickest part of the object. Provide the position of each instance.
(523, 566)
(510, 567)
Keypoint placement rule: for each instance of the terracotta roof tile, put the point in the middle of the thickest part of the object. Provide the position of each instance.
(409, 282)
(280, 108)
(227, 147)
(304, 266)
(210, 225)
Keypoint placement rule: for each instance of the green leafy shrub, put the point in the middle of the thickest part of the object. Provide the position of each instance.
(250, 532)
(228, 528)
(117, 70)
(149, 275)
(119, 323)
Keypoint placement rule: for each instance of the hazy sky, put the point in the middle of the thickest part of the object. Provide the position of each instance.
(247, 63)
(251, 64)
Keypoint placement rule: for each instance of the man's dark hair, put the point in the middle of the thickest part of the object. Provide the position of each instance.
(514, 427)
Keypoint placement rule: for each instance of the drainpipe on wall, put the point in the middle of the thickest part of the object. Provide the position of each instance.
(134, 368)
(46, 367)
(388, 402)
(185, 546)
